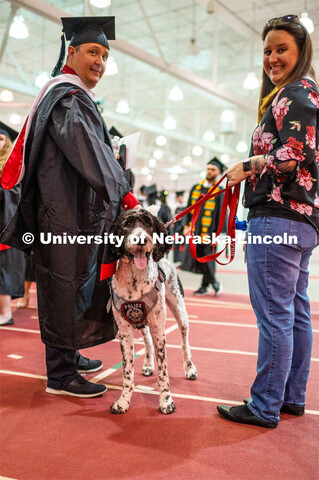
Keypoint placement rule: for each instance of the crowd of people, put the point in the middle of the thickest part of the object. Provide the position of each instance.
(73, 182)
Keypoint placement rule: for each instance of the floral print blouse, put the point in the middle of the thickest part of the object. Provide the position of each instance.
(289, 130)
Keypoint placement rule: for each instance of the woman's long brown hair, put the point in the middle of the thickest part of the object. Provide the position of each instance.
(303, 67)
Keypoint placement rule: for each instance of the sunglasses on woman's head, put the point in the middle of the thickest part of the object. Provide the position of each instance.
(285, 18)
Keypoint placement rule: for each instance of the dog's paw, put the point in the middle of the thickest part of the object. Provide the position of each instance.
(167, 407)
(147, 371)
(119, 407)
(191, 373)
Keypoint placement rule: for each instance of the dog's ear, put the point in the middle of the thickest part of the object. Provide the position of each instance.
(161, 249)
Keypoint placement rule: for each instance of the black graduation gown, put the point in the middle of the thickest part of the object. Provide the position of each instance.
(72, 184)
(189, 263)
(165, 215)
(178, 227)
(11, 260)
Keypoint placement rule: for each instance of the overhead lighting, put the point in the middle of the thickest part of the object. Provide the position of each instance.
(187, 160)
(158, 154)
(225, 158)
(210, 7)
(177, 169)
(149, 177)
(176, 94)
(18, 28)
(152, 163)
(15, 119)
(122, 107)
(161, 141)
(41, 79)
(307, 22)
(251, 81)
(170, 123)
(227, 116)
(193, 48)
(173, 176)
(6, 96)
(100, 3)
(111, 67)
(209, 136)
(241, 147)
(145, 171)
(197, 151)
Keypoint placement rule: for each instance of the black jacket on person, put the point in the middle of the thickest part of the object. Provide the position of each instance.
(165, 215)
(72, 184)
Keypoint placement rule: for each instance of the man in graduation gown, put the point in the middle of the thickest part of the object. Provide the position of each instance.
(206, 224)
(121, 155)
(72, 184)
(164, 213)
(178, 227)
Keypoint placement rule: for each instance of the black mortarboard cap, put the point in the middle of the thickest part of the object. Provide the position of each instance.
(89, 30)
(8, 131)
(85, 30)
(218, 163)
(115, 133)
(151, 190)
(181, 192)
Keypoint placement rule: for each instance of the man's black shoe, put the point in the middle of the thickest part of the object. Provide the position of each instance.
(85, 365)
(201, 291)
(8, 322)
(218, 287)
(79, 387)
(242, 414)
(286, 408)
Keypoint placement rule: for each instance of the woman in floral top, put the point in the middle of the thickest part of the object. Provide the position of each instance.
(281, 192)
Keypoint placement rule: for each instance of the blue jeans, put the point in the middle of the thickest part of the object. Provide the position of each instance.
(278, 280)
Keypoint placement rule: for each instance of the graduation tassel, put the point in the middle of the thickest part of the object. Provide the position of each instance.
(58, 66)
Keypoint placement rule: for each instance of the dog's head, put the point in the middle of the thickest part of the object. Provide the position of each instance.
(137, 227)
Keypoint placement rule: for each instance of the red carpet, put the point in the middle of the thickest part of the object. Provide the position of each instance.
(45, 437)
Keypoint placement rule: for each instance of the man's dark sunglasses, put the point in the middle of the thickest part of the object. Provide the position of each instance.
(285, 18)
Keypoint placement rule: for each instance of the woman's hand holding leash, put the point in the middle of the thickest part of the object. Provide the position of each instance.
(238, 172)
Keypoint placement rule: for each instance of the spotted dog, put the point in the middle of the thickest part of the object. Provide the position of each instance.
(144, 279)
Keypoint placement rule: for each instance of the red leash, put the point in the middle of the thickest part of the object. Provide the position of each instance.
(231, 199)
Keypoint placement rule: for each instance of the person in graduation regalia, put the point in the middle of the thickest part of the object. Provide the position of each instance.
(164, 213)
(11, 259)
(120, 153)
(72, 184)
(148, 196)
(178, 227)
(206, 224)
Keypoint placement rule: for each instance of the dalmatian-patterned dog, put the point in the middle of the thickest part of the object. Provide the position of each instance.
(144, 279)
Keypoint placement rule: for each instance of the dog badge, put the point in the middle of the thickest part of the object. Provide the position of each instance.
(135, 313)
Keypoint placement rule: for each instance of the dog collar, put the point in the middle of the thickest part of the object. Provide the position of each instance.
(136, 312)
